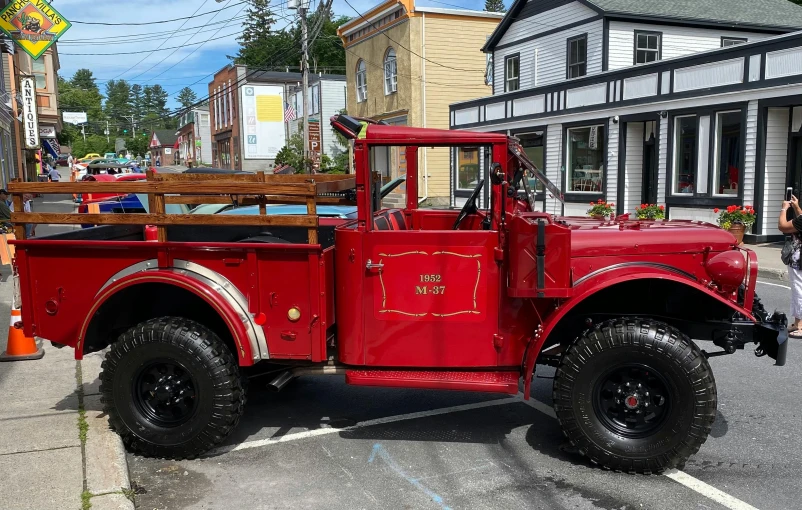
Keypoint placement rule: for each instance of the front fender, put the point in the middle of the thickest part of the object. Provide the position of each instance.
(236, 320)
(604, 280)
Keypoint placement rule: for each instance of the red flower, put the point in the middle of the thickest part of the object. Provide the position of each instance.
(715, 210)
(662, 208)
(592, 203)
(611, 204)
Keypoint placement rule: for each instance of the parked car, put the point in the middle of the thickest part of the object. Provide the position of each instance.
(62, 159)
(89, 157)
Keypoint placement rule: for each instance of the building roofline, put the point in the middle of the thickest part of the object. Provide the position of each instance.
(461, 12)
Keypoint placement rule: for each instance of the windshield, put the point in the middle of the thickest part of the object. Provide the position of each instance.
(534, 171)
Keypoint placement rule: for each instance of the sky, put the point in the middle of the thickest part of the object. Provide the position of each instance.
(188, 65)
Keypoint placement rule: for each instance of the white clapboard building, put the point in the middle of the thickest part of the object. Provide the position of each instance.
(695, 105)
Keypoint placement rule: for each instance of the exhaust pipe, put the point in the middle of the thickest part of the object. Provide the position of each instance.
(285, 377)
(281, 380)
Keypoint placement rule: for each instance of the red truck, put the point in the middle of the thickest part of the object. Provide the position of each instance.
(465, 300)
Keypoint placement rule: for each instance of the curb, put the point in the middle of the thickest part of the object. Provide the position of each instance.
(773, 273)
(106, 466)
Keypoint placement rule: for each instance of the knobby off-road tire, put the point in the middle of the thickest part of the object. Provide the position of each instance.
(171, 388)
(620, 425)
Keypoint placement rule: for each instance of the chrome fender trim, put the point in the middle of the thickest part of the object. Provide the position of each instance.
(217, 282)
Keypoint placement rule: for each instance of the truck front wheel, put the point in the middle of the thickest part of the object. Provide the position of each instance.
(635, 395)
(171, 388)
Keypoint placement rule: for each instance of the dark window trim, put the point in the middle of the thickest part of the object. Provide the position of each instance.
(510, 57)
(741, 39)
(635, 45)
(706, 198)
(582, 197)
(568, 55)
(743, 110)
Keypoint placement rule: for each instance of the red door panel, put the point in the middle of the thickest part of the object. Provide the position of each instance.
(431, 298)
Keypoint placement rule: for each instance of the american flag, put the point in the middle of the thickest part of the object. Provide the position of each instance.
(289, 112)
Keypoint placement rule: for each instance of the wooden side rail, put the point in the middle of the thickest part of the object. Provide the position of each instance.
(191, 188)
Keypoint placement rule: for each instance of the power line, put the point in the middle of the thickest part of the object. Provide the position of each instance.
(146, 51)
(124, 39)
(74, 22)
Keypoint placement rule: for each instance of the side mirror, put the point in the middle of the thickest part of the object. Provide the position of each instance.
(496, 174)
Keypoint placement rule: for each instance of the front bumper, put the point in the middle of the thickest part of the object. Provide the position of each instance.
(770, 335)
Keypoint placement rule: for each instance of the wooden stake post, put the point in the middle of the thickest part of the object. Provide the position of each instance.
(162, 189)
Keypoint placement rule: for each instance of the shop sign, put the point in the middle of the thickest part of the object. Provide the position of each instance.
(74, 117)
(314, 144)
(30, 121)
(33, 24)
(47, 131)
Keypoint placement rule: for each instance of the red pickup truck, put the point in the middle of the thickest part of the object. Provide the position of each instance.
(409, 297)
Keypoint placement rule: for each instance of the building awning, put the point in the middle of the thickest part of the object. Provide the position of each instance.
(51, 146)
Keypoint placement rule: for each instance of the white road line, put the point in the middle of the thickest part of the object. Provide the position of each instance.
(708, 491)
(774, 285)
(368, 423)
(680, 477)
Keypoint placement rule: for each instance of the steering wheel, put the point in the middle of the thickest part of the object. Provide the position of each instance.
(470, 205)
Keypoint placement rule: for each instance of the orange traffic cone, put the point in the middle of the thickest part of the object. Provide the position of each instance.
(19, 346)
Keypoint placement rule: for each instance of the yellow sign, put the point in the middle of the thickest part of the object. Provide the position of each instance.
(33, 24)
(269, 109)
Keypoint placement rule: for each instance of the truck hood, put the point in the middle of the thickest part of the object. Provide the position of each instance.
(591, 237)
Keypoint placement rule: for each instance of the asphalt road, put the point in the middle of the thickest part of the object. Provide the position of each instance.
(309, 447)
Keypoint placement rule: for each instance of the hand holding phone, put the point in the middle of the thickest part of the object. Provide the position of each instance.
(789, 192)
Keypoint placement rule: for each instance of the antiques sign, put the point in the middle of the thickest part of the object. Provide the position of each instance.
(30, 121)
(33, 24)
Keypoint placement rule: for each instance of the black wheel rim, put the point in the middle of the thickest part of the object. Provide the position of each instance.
(165, 393)
(632, 400)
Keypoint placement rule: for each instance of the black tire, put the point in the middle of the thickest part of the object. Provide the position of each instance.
(139, 404)
(675, 406)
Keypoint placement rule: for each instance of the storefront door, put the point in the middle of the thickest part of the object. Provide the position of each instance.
(649, 193)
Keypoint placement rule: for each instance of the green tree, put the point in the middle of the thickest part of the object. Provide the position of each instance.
(256, 42)
(261, 48)
(136, 101)
(83, 79)
(118, 107)
(137, 146)
(187, 97)
(497, 6)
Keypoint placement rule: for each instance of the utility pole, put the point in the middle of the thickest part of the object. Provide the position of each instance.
(83, 131)
(302, 8)
(107, 131)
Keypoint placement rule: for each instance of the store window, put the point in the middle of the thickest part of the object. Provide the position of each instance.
(40, 73)
(532, 144)
(728, 162)
(512, 73)
(468, 171)
(577, 56)
(686, 132)
(586, 155)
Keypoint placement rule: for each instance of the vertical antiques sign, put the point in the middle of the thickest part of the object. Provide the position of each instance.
(33, 24)
(30, 121)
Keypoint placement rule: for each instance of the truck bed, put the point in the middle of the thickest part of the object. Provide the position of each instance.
(83, 288)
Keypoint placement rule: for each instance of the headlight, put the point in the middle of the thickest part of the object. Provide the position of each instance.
(727, 269)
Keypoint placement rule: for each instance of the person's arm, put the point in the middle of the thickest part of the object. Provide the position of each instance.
(785, 225)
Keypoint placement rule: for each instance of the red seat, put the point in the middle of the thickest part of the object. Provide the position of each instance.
(390, 219)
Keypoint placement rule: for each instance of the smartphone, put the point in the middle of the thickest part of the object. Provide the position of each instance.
(788, 193)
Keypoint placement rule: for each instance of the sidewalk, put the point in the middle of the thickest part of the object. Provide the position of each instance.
(57, 451)
(769, 264)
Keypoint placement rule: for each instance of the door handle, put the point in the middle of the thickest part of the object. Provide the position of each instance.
(370, 265)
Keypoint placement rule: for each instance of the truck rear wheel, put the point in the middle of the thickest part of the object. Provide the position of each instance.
(171, 388)
(635, 395)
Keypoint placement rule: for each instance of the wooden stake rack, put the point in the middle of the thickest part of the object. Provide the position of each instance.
(258, 188)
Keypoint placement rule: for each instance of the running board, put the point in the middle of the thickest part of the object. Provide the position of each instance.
(490, 382)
